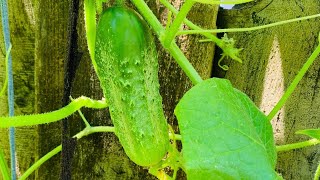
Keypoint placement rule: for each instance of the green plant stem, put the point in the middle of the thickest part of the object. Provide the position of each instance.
(173, 49)
(176, 136)
(174, 28)
(317, 174)
(37, 164)
(89, 130)
(4, 167)
(294, 83)
(184, 64)
(30, 120)
(90, 25)
(5, 84)
(82, 116)
(247, 29)
(149, 16)
(85, 132)
(191, 25)
(298, 145)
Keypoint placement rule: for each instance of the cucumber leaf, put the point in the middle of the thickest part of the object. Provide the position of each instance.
(262, 125)
(222, 134)
(314, 133)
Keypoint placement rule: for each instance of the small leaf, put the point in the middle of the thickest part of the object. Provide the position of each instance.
(228, 48)
(314, 133)
(221, 135)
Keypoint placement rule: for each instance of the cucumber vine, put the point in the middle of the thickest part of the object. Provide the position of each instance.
(167, 36)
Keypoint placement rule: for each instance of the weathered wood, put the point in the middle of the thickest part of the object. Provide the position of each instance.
(39, 36)
(287, 47)
(38, 32)
(21, 22)
(51, 53)
(100, 155)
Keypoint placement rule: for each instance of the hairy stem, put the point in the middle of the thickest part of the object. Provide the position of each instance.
(30, 120)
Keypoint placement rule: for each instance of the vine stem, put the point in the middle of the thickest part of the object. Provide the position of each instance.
(298, 145)
(85, 132)
(191, 25)
(149, 16)
(173, 48)
(37, 164)
(294, 83)
(184, 64)
(90, 25)
(81, 115)
(199, 31)
(174, 28)
(29, 120)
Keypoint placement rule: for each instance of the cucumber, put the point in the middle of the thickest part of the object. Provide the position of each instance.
(127, 67)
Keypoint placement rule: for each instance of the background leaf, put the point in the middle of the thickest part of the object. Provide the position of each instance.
(221, 135)
(314, 133)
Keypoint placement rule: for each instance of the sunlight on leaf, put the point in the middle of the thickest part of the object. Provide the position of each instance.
(224, 135)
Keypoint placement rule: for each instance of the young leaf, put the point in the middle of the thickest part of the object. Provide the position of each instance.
(314, 133)
(220, 138)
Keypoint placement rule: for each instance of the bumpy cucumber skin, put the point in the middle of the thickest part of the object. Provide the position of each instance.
(127, 67)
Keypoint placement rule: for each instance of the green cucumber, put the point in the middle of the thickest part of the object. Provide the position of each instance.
(127, 67)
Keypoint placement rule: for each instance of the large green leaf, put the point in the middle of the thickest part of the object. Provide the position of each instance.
(221, 134)
(262, 125)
